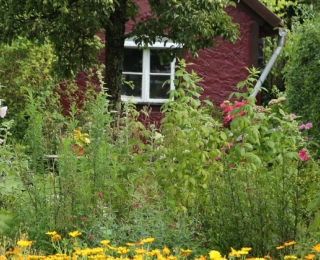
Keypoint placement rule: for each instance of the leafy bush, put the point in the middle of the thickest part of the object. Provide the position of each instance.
(302, 74)
(24, 66)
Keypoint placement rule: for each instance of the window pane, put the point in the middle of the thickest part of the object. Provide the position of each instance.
(159, 64)
(156, 88)
(132, 60)
(137, 82)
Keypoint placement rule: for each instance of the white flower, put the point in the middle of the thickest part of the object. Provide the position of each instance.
(3, 111)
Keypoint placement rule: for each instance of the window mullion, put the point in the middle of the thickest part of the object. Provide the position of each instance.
(146, 75)
(173, 64)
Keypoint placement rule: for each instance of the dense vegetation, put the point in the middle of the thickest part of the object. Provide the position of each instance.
(246, 179)
(207, 178)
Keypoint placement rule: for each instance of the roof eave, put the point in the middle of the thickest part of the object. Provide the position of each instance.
(266, 19)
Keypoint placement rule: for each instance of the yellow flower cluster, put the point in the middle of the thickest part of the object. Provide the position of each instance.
(291, 243)
(239, 253)
(54, 236)
(80, 138)
(24, 243)
(75, 233)
(136, 251)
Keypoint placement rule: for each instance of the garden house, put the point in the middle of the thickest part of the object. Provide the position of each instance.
(221, 67)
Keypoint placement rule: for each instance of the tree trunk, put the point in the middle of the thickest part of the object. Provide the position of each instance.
(114, 53)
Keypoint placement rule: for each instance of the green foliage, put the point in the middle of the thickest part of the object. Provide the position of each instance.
(191, 139)
(278, 6)
(13, 176)
(195, 182)
(24, 66)
(292, 13)
(301, 74)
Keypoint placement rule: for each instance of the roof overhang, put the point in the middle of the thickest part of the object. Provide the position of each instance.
(267, 20)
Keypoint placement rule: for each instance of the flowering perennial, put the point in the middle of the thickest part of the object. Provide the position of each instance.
(107, 252)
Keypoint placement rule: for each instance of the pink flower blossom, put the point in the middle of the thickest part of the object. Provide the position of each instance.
(228, 109)
(293, 116)
(228, 118)
(217, 158)
(3, 111)
(300, 127)
(224, 104)
(230, 144)
(239, 104)
(308, 126)
(303, 155)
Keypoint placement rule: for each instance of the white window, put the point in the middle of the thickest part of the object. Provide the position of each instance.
(143, 67)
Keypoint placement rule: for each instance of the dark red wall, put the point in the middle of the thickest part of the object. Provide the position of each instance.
(224, 66)
(221, 67)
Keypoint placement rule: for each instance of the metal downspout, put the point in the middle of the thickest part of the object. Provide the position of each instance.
(264, 74)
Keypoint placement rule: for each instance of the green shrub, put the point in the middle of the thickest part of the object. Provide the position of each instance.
(302, 74)
(24, 66)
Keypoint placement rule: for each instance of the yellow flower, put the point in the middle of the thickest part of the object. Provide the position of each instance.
(234, 252)
(139, 243)
(247, 249)
(171, 257)
(15, 251)
(166, 250)
(105, 242)
(201, 257)
(241, 252)
(51, 233)
(316, 248)
(80, 138)
(122, 250)
(291, 243)
(131, 244)
(154, 252)
(290, 257)
(75, 233)
(24, 243)
(214, 255)
(148, 240)
(138, 257)
(185, 252)
(111, 247)
(56, 237)
(310, 256)
(140, 251)
(161, 257)
(279, 247)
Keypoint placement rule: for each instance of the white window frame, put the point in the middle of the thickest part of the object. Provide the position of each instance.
(145, 88)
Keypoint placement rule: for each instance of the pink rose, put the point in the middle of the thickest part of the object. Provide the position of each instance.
(303, 155)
